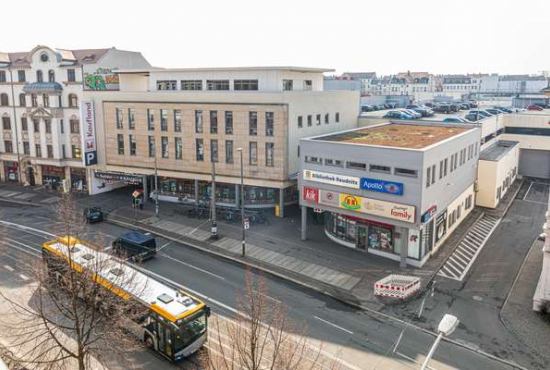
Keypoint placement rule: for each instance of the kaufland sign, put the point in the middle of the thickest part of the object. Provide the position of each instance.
(87, 114)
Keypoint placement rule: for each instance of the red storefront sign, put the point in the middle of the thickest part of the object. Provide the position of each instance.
(310, 195)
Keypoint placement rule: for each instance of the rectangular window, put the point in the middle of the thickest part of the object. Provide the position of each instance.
(6, 123)
(357, 166)
(164, 146)
(34, 100)
(163, 120)
(179, 148)
(229, 123)
(75, 126)
(120, 144)
(253, 123)
(75, 151)
(131, 118)
(269, 154)
(119, 118)
(441, 163)
(327, 119)
(27, 148)
(433, 174)
(213, 122)
(458, 212)
(245, 85)
(25, 124)
(214, 150)
(315, 160)
(21, 76)
(405, 172)
(428, 177)
(71, 75)
(217, 84)
(133, 145)
(167, 85)
(199, 147)
(61, 125)
(48, 125)
(198, 122)
(308, 85)
(49, 149)
(8, 146)
(46, 100)
(177, 120)
(287, 85)
(38, 149)
(150, 119)
(378, 168)
(300, 121)
(309, 120)
(269, 123)
(151, 146)
(333, 162)
(253, 150)
(36, 125)
(475, 150)
(229, 151)
(2, 76)
(318, 119)
(337, 117)
(191, 84)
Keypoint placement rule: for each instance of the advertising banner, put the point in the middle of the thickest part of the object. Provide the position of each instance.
(87, 117)
(310, 195)
(331, 179)
(102, 79)
(382, 186)
(329, 198)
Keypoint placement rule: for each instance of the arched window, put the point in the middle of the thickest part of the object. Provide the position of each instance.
(4, 101)
(51, 76)
(73, 101)
(22, 100)
(46, 100)
(39, 77)
(34, 100)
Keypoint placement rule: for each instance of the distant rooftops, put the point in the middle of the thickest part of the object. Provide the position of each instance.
(397, 135)
(226, 69)
(70, 57)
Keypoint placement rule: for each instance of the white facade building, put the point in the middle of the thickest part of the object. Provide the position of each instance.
(40, 95)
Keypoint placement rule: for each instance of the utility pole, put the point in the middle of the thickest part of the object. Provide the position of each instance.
(214, 225)
(240, 150)
(156, 186)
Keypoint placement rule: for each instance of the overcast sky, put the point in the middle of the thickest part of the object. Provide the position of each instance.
(386, 36)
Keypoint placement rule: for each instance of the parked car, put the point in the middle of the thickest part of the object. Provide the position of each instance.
(475, 115)
(412, 106)
(392, 105)
(397, 114)
(464, 106)
(424, 111)
(412, 113)
(456, 120)
(442, 108)
(136, 246)
(534, 107)
(473, 104)
(506, 109)
(366, 108)
(93, 214)
(430, 104)
(454, 107)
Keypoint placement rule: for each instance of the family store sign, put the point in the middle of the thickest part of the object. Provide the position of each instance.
(331, 179)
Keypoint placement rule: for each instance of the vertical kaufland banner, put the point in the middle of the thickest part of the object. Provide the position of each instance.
(88, 133)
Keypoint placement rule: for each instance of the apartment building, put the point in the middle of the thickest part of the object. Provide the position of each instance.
(40, 95)
(397, 190)
(180, 121)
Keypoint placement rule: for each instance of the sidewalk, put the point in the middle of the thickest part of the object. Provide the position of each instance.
(531, 328)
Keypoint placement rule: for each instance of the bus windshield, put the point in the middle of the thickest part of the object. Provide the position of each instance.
(189, 331)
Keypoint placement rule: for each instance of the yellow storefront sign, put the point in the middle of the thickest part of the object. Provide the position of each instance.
(395, 211)
(350, 202)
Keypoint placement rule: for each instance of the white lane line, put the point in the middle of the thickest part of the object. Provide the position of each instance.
(21, 249)
(9, 268)
(18, 226)
(525, 196)
(193, 267)
(23, 277)
(164, 246)
(333, 325)
(532, 201)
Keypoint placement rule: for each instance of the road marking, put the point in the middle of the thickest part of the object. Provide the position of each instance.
(21, 249)
(23, 277)
(193, 267)
(9, 268)
(532, 201)
(19, 226)
(164, 246)
(528, 190)
(334, 325)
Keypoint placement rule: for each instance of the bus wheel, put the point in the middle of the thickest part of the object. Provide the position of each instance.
(149, 342)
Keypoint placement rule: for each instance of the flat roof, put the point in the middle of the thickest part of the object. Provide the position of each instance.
(397, 135)
(227, 69)
(498, 150)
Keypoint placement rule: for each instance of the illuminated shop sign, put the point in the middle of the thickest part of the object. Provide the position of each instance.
(382, 186)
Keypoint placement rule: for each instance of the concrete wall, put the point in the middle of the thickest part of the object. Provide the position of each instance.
(492, 174)
(528, 119)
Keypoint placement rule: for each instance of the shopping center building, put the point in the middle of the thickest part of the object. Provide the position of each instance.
(396, 189)
(179, 121)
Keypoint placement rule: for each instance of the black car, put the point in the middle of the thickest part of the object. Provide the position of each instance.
(366, 108)
(136, 246)
(93, 214)
(442, 108)
(464, 106)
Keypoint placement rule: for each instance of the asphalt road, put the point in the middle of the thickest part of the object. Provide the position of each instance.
(359, 339)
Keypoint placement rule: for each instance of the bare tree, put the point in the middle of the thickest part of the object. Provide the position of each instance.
(76, 317)
(261, 337)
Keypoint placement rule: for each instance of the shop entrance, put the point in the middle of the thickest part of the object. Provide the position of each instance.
(362, 239)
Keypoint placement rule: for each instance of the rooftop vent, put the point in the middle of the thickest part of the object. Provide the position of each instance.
(117, 271)
(165, 298)
(88, 257)
(186, 301)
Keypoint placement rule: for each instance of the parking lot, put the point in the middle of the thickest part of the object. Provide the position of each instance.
(537, 192)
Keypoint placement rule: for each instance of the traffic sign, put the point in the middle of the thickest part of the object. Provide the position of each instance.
(246, 224)
(318, 210)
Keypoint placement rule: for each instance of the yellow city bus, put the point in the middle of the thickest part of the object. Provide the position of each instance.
(176, 322)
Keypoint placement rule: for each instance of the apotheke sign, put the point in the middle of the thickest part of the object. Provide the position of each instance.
(381, 186)
(331, 179)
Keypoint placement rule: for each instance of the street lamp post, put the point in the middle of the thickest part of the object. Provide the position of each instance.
(156, 187)
(446, 327)
(214, 226)
(240, 150)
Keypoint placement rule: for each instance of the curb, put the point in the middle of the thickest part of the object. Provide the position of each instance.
(319, 290)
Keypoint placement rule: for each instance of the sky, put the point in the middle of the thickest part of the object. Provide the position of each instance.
(385, 36)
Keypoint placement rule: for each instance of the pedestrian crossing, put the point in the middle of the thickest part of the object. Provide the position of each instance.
(24, 196)
(459, 262)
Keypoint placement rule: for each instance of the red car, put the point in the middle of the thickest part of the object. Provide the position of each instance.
(534, 107)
